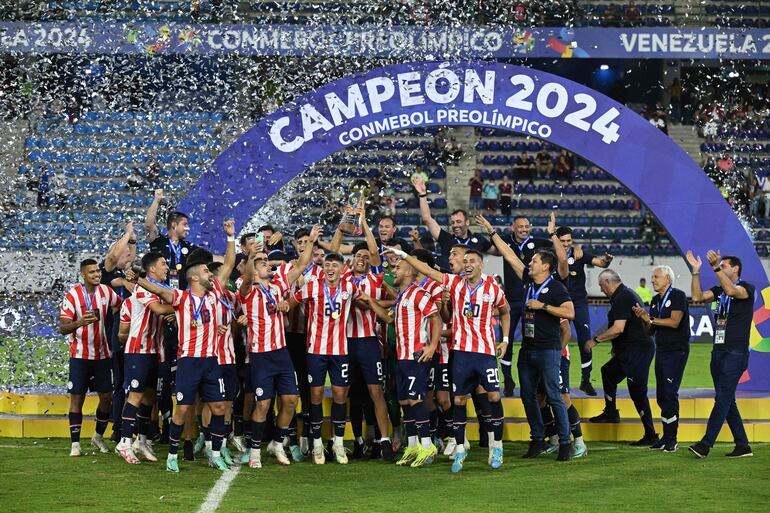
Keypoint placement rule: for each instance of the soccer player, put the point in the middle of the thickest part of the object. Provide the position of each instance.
(730, 355)
(668, 321)
(197, 368)
(418, 328)
(270, 367)
(81, 317)
(474, 297)
(141, 331)
(632, 354)
(578, 258)
(330, 300)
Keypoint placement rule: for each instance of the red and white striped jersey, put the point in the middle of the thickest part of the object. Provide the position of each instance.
(435, 289)
(197, 337)
(266, 325)
(414, 307)
(145, 335)
(89, 342)
(473, 332)
(363, 321)
(296, 319)
(565, 349)
(226, 309)
(327, 335)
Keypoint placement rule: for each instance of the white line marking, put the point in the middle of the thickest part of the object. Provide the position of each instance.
(219, 490)
(592, 449)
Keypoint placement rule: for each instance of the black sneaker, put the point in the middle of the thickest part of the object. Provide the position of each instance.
(671, 446)
(536, 448)
(607, 417)
(115, 436)
(483, 438)
(659, 445)
(188, 451)
(699, 449)
(565, 452)
(509, 387)
(358, 451)
(646, 441)
(374, 454)
(386, 449)
(741, 451)
(588, 388)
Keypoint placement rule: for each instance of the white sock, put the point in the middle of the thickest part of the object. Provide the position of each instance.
(426, 442)
(171, 456)
(578, 439)
(215, 454)
(385, 439)
(253, 453)
(413, 441)
(451, 440)
(490, 437)
(318, 443)
(338, 441)
(208, 445)
(460, 448)
(142, 439)
(499, 444)
(360, 440)
(75, 444)
(125, 441)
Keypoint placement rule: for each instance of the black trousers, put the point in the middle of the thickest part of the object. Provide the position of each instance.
(669, 369)
(634, 367)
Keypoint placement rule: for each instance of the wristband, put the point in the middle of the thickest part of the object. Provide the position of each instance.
(132, 242)
(696, 274)
(505, 340)
(423, 195)
(492, 233)
(230, 239)
(551, 234)
(545, 308)
(717, 269)
(596, 340)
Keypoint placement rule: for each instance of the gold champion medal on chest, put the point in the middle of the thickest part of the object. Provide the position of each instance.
(179, 267)
(335, 315)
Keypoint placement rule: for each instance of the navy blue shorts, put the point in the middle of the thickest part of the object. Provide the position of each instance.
(297, 345)
(90, 375)
(412, 380)
(472, 369)
(365, 354)
(272, 372)
(442, 381)
(563, 378)
(140, 371)
(230, 375)
(199, 375)
(337, 366)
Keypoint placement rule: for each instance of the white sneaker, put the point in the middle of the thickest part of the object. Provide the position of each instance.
(238, 443)
(280, 454)
(451, 447)
(145, 450)
(127, 453)
(98, 442)
(75, 450)
(339, 454)
(255, 458)
(467, 445)
(318, 456)
(272, 447)
(304, 446)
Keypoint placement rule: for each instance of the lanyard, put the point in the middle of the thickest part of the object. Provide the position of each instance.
(423, 282)
(725, 302)
(663, 301)
(521, 246)
(90, 299)
(332, 300)
(570, 253)
(267, 294)
(159, 284)
(196, 310)
(359, 280)
(464, 242)
(532, 294)
(176, 250)
(226, 303)
(471, 293)
(398, 298)
(309, 268)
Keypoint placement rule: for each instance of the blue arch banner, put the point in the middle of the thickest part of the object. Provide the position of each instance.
(495, 95)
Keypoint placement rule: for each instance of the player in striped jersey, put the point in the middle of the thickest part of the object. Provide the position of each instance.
(475, 298)
(418, 328)
(82, 318)
(141, 331)
(197, 368)
(270, 366)
(330, 300)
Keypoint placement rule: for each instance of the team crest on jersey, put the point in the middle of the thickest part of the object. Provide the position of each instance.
(134, 383)
(486, 297)
(310, 278)
(309, 378)
(179, 396)
(570, 260)
(344, 296)
(185, 251)
(454, 387)
(69, 385)
(474, 240)
(668, 303)
(545, 290)
(260, 392)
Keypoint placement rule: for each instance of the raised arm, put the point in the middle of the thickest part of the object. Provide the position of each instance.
(505, 327)
(305, 257)
(698, 294)
(422, 192)
(67, 326)
(378, 309)
(226, 269)
(120, 247)
(374, 251)
(730, 288)
(336, 243)
(166, 294)
(248, 274)
(150, 225)
(421, 267)
(505, 251)
(561, 253)
(602, 261)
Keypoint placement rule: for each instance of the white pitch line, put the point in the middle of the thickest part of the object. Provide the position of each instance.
(219, 490)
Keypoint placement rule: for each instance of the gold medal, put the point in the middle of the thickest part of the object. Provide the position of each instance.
(179, 267)
(385, 263)
(469, 313)
(335, 315)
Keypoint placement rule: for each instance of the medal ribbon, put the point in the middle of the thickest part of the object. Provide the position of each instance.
(268, 296)
(196, 310)
(332, 300)
(176, 250)
(90, 299)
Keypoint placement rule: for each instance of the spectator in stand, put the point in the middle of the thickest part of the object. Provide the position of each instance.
(611, 16)
(506, 196)
(477, 185)
(44, 188)
(525, 167)
(725, 164)
(633, 16)
(565, 166)
(490, 197)
(675, 101)
(59, 189)
(543, 163)
(153, 174)
(643, 292)
(762, 197)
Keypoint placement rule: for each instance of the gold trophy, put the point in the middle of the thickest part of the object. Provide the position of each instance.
(357, 194)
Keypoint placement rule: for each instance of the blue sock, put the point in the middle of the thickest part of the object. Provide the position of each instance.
(421, 422)
(206, 432)
(574, 421)
(128, 420)
(102, 418)
(281, 434)
(460, 419)
(76, 420)
(174, 434)
(217, 428)
(433, 421)
(339, 417)
(496, 419)
(257, 430)
(143, 419)
(407, 420)
(316, 419)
